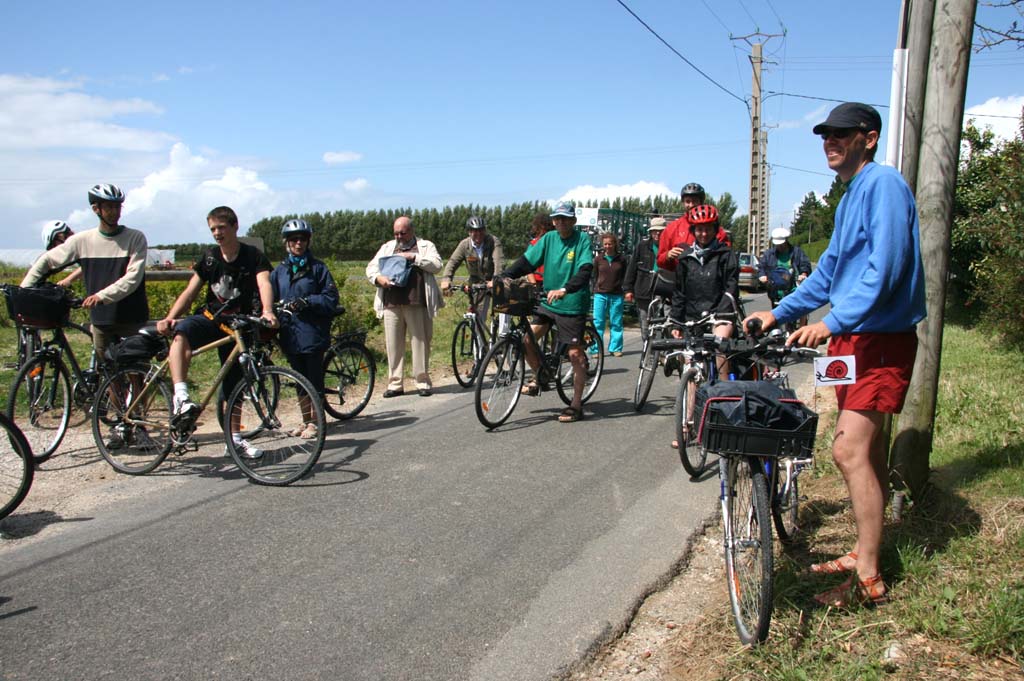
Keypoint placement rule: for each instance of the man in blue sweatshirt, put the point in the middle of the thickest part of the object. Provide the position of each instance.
(872, 277)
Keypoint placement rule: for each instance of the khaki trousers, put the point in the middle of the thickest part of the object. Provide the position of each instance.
(420, 325)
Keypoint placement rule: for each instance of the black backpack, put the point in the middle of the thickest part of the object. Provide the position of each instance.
(141, 348)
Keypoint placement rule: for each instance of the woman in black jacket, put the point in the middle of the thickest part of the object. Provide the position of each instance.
(642, 272)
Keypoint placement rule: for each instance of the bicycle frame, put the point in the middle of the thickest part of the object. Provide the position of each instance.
(156, 374)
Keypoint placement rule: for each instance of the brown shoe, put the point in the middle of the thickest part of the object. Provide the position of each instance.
(854, 592)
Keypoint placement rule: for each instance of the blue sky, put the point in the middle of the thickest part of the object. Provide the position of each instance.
(277, 108)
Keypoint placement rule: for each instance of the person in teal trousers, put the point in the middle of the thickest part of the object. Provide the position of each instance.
(609, 273)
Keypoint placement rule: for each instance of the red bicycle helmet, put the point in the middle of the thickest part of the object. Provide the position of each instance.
(702, 215)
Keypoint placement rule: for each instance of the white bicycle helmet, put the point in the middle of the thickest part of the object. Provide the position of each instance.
(105, 192)
(52, 229)
(296, 227)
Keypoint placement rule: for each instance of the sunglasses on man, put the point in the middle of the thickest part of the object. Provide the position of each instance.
(838, 133)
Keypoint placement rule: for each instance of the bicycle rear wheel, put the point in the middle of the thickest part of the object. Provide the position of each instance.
(132, 434)
(748, 548)
(785, 499)
(40, 404)
(273, 456)
(349, 374)
(692, 455)
(499, 382)
(465, 353)
(648, 367)
(16, 469)
(595, 367)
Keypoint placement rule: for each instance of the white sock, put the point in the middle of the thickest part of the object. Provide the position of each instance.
(181, 391)
(236, 438)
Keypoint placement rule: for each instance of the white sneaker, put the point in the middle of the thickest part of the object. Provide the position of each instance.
(184, 407)
(247, 451)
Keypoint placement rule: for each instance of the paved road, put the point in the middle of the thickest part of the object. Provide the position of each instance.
(424, 547)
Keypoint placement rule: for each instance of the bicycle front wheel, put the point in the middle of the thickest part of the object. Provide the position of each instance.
(594, 362)
(748, 548)
(271, 455)
(648, 367)
(16, 469)
(466, 353)
(131, 423)
(349, 373)
(500, 381)
(40, 404)
(692, 455)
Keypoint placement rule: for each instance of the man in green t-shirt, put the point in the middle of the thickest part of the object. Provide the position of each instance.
(568, 262)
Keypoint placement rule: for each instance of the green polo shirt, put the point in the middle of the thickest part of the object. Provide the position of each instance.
(562, 259)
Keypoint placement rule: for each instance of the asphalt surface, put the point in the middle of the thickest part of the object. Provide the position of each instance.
(422, 547)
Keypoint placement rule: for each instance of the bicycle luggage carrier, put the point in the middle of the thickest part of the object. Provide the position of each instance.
(717, 434)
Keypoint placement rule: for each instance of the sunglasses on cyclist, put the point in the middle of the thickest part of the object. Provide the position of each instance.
(838, 133)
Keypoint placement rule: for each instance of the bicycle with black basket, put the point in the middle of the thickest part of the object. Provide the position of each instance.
(503, 373)
(50, 382)
(764, 437)
(267, 405)
(471, 340)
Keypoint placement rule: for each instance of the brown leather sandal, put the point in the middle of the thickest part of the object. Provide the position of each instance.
(855, 592)
(835, 567)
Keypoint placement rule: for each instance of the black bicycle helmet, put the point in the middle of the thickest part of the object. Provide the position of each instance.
(105, 192)
(296, 227)
(475, 222)
(693, 189)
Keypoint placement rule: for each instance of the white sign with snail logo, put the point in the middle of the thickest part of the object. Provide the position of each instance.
(839, 370)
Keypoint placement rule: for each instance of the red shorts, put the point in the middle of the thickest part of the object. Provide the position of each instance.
(885, 362)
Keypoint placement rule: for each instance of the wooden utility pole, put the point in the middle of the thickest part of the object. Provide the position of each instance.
(938, 160)
(916, 37)
(755, 229)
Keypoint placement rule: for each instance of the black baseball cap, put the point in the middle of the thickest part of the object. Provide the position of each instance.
(862, 117)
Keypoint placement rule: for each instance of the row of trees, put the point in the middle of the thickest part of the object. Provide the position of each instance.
(356, 235)
(815, 218)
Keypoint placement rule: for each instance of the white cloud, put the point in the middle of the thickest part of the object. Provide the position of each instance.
(161, 78)
(171, 204)
(357, 185)
(336, 157)
(1004, 128)
(185, 70)
(43, 113)
(641, 189)
(810, 118)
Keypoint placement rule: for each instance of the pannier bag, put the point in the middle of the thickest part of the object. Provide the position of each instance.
(43, 307)
(513, 296)
(138, 349)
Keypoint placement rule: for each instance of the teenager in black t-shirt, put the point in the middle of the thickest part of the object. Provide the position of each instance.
(236, 274)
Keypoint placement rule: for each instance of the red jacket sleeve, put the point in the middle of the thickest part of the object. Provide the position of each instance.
(677, 233)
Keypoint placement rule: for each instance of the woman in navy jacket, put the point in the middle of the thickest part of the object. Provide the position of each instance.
(306, 285)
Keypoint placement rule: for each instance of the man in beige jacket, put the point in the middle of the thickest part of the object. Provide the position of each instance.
(409, 308)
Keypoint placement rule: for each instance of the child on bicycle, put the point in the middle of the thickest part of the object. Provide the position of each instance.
(237, 275)
(307, 285)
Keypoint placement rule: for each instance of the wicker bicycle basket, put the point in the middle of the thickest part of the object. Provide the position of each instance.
(513, 296)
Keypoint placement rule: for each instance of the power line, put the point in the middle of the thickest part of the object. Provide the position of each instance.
(752, 19)
(355, 171)
(717, 18)
(772, 7)
(820, 99)
(802, 170)
(676, 52)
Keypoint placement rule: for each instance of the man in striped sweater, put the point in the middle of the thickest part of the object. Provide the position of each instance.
(113, 260)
